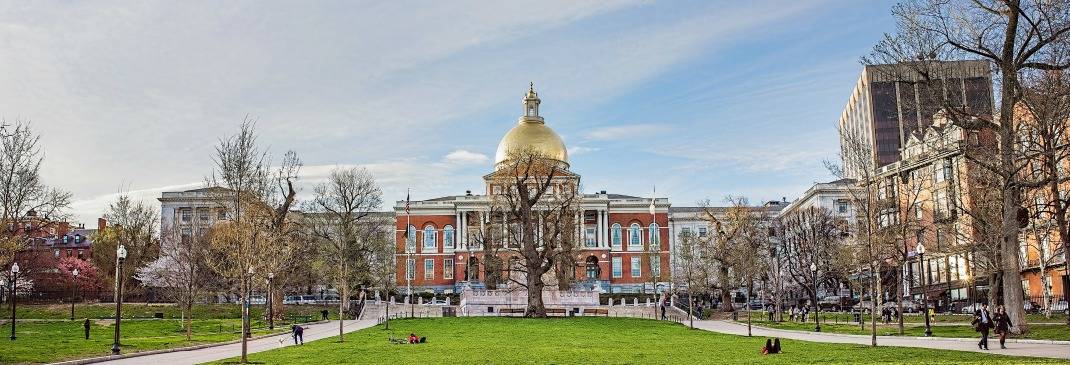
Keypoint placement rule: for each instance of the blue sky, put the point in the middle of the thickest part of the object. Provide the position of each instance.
(702, 99)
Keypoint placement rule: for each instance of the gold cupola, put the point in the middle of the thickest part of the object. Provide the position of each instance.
(532, 133)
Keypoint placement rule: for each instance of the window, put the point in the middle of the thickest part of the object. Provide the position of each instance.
(654, 236)
(221, 215)
(57, 254)
(429, 269)
(429, 237)
(410, 239)
(187, 216)
(617, 270)
(655, 266)
(202, 214)
(702, 232)
(636, 268)
(634, 237)
(447, 269)
(616, 233)
(685, 230)
(918, 211)
(447, 236)
(410, 268)
(69, 252)
(591, 238)
(81, 254)
(841, 206)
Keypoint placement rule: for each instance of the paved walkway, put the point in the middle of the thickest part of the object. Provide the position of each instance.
(1050, 350)
(312, 333)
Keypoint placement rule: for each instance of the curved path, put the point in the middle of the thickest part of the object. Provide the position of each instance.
(1049, 349)
(215, 353)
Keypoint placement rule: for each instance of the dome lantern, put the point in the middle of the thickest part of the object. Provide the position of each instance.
(532, 133)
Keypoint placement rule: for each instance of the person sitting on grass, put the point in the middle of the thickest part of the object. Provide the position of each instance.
(413, 339)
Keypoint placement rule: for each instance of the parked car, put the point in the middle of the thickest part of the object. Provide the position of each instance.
(834, 303)
(329, 299)
(299, 300)
(257, 300)
(970, 309)
(436, 301)
(865, 306)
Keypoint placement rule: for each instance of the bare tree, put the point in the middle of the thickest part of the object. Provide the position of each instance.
(343, 225)
(181, 268)
(132, 224)
(260, 234)
(539, 204)
(22, 193)
(689, 272)
(1015, 37)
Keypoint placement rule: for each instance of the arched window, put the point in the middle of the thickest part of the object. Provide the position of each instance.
(429, 237)
(634, 237)
(410, 239)
(616, 234)
(653, 236)
(447, 236)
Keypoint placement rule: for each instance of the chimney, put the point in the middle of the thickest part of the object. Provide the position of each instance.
(468, 193)
(102, 224)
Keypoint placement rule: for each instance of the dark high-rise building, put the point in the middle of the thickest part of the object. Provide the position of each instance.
(890, 102)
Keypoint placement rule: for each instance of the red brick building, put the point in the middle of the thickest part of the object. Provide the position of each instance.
(624, 240)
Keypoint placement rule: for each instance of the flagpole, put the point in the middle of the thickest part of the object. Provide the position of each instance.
(410, 271)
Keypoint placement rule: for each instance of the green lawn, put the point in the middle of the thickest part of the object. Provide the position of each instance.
(589, 340)
(1037, 331)
(143, 310)
(56, 338)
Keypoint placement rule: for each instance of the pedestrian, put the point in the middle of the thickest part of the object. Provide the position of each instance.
(982, 322)
(299, 335)
(1003, 325)
(86, 326)
(663, 299)
(324, 314)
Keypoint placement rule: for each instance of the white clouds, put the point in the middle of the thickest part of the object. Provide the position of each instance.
(466, 157)
(580, 150)
(145, 89)
(630, 131)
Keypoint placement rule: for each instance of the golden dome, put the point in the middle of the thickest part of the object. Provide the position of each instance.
(531, 133)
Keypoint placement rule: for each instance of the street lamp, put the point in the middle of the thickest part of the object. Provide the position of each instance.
(817, 308)
(14, 284)
(120, 257)
(248, 291)
(271, 313)
(74, 286)
(920, 249)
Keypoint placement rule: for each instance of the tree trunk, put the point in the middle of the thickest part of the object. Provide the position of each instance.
(902, 294)
(536, 308)
(1012, 274)
(341, 313)
(726, 295)
(873, 293)
(386, 323)
(189, 318)
(690, 307)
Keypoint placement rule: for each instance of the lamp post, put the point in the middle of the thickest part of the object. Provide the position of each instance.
(271, 313)
(817, 308)
(14, 285)
(246, 321)
(120, 257)
(74, 286)
(920, 249)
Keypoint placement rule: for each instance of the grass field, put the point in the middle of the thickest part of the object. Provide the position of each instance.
(590, 340)
(144, 310)
(1059, 332)
(51, 337)
(50, 341)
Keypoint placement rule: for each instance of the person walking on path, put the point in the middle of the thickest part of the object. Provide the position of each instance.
(664, 298)
(299, 334)
(86, 326)
(982, 322)
(1003, 325)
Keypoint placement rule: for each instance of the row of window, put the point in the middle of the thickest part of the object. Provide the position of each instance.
(635, 266)
(430, 236)
(429, 269)
(202, 215)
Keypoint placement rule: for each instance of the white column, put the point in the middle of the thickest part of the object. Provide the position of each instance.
(458, 242)
(598, 229)
(482, 227)
(605, 229)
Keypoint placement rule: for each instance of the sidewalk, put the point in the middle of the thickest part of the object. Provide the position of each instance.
(1049, 350)
(190, 357)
